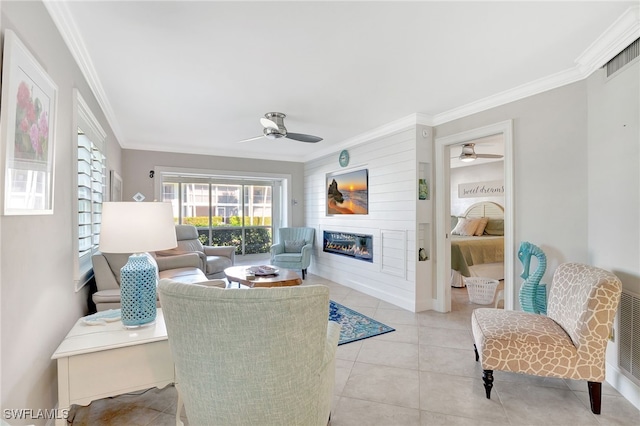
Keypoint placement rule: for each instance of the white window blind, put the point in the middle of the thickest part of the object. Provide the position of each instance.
(91, 188)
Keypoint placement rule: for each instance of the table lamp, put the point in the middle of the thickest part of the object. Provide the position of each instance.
(137, 227)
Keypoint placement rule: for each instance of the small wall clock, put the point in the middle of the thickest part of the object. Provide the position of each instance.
(344, 158)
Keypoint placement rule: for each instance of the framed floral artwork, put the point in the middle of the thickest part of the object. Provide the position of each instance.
(27, 117)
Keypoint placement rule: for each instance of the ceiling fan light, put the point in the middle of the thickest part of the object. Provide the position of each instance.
(271, 133)
(468, 154)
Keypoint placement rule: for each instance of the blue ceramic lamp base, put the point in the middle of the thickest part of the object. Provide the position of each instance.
(138, 281)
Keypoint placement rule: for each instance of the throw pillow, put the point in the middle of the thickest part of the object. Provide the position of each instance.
(494, 227)
(293, 246)
(466, 227)
(482, 223)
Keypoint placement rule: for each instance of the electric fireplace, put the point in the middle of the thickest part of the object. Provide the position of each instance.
(358, 246)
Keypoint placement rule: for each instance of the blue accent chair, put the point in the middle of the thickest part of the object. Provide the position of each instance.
(293, 250)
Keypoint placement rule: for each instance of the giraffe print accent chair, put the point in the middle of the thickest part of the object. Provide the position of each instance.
(570, 342)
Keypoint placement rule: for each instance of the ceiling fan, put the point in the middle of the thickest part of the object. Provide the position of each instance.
(469, 154)
(273, 123)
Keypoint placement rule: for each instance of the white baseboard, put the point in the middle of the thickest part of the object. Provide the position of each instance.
(624, 385)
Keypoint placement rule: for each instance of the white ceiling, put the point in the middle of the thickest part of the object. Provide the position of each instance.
(196, 77)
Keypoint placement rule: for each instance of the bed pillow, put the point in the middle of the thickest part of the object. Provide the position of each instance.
(454, 221)
(494, 227)
(482, 223)
(466, 227)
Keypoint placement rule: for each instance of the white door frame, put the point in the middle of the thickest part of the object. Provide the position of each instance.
(443, 211)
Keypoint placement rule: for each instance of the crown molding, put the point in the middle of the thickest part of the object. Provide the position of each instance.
(396, 126)
(624, 31)
(520, 92)
(615, 38)
(68, 29)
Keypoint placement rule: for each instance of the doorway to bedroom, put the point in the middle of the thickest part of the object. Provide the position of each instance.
(476, 177)
(474, 188)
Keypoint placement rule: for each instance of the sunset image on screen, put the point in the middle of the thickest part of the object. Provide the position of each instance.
(348, 193)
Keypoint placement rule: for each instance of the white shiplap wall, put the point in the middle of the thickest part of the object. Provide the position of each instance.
(391, 162)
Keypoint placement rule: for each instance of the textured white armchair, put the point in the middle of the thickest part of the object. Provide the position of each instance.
(263, 356)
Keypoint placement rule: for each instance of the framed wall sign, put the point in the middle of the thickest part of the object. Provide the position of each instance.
(28, 116)
(494, 188)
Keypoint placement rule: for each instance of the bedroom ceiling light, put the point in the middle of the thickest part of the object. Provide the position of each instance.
(468, 154)
(467, 158)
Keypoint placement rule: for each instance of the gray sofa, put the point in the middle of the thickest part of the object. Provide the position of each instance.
(184, 268)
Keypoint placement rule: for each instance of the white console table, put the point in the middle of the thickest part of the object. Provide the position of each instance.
(99, 361)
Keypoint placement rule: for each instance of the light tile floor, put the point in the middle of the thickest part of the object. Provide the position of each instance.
(424, 373)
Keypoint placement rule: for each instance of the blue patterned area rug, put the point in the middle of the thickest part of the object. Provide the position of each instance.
(355, 326)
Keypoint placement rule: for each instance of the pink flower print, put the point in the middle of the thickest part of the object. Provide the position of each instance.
(24, 95)
(24, 125)
(34, 135)
(30, 112)
(43, 125)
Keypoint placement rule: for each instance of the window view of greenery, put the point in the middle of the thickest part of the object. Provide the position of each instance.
(225, 215)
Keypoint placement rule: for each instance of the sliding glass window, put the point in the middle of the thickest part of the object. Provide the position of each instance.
(225, 212)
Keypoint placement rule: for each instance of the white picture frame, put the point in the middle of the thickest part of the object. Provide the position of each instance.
(28, 119)
(115, 193)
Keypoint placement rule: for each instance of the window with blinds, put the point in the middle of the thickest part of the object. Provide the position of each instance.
(91, 185)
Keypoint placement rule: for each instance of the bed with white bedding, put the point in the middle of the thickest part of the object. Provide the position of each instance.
(477, 243)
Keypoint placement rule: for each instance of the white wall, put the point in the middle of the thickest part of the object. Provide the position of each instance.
(614, 190)
(39, 304)
(470, 174)
(391, 161)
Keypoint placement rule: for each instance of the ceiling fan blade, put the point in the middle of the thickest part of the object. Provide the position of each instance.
(251, 139)
(268, 124)
(303, 138)
(488, 156)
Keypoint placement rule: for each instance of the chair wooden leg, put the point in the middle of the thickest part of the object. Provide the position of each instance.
(304, 274)
(595, 396)
(475, 349)
(487, 377)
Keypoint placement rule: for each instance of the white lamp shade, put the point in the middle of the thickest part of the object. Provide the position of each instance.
(132, 227)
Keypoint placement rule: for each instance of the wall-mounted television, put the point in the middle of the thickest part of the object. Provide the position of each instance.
(348, 193)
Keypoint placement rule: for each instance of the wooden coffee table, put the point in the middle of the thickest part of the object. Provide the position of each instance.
(284, 278)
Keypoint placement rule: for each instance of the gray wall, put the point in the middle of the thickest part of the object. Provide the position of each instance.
(38, 303)
(577, 179)
(550, 170)
(614, 190)
(136, 165)
(614, 173)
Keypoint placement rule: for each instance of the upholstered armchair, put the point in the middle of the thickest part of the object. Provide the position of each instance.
(106, 269)
(570, 342)
(215, 259)
(251, 357)
(293, 251)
